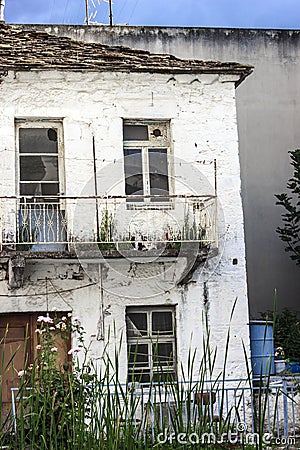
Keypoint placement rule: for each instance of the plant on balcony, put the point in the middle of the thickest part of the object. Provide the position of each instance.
(194, 232)
(106, 231)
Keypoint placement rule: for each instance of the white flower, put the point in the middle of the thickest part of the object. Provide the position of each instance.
(279, 352)
(21, 373)
(45, 319)
(38, 347)
(74, 350)
(69, 314)
(64, 318)
(54, 349)
(52, 328)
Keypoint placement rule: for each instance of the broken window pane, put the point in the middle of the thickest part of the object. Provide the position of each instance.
(135, 132)
(162, 322)
(38, 140)
(133, 171)
(137, 324)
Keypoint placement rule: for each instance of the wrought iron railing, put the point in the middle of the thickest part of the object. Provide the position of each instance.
(113, 222)
(231, 410)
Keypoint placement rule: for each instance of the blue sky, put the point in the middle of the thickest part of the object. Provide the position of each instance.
(206, 13)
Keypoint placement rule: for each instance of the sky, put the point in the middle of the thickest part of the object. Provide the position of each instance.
(200, 13)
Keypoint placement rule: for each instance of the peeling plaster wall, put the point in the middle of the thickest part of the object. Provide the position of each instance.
(203, 126)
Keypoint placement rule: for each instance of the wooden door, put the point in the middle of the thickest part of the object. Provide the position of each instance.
(16, 352)
(18, 341)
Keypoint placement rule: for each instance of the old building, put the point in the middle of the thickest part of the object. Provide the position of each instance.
(120, 198)
(268, 117)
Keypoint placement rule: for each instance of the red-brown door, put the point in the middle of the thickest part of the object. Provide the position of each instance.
(18, 341)
(16, 352)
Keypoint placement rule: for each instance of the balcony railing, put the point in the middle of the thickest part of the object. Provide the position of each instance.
(135, 223)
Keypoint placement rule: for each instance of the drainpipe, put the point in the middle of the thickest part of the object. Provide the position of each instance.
(2, 5)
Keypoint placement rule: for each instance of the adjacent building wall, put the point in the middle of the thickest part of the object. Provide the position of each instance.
(268, 106)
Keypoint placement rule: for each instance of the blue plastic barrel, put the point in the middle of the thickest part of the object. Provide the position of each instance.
(262, 348)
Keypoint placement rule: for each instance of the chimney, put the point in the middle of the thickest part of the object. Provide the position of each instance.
(2, 4)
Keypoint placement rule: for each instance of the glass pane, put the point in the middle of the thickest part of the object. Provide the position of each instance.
(135, 133)
(136, 324)
(162, 322)
(138, 363)
(163, 354)
(158, 172)
(38, 168)
(166, 376)
(138, 355)
(38, 140)
(139, 376)
(133, 171)
(29, 189)
(39, 189)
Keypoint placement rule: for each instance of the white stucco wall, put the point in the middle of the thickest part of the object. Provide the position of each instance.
(202, 112)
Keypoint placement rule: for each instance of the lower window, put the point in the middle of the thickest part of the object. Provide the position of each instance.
(151, 344)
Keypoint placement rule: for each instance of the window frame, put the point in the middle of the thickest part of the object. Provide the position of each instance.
(152, 339)
(145, 146)
(43, 124)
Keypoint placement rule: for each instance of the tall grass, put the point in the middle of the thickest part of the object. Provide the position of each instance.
(71, 405)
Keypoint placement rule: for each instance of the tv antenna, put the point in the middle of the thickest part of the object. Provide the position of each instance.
(87, 19)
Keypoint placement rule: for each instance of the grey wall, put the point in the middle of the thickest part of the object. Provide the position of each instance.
(268, 119)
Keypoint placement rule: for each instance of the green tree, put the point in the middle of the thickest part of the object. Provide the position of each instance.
(290, 231)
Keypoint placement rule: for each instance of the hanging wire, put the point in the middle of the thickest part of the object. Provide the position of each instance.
(133, 10)
(59, 293)
(66, 7)
(52, 9)
(49, 293)
(78, 11)
(118, 18)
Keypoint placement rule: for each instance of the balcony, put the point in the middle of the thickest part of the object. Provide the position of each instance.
(112, 226)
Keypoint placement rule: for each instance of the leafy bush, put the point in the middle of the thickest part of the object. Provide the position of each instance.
(287, 334)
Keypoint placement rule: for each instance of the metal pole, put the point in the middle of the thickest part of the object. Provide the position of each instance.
(216, 203)
(110, 13)
(96, 191)
(87, 12)
(2, 5)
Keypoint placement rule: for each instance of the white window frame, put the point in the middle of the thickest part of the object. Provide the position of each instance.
(153, 339)
(163, 142)
(42, 123)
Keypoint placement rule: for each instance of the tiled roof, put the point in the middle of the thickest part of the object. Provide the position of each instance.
(24, 50)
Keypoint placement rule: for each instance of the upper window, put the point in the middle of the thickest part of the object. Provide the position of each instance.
(147, 159)
(151, 344)
(39, 155)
